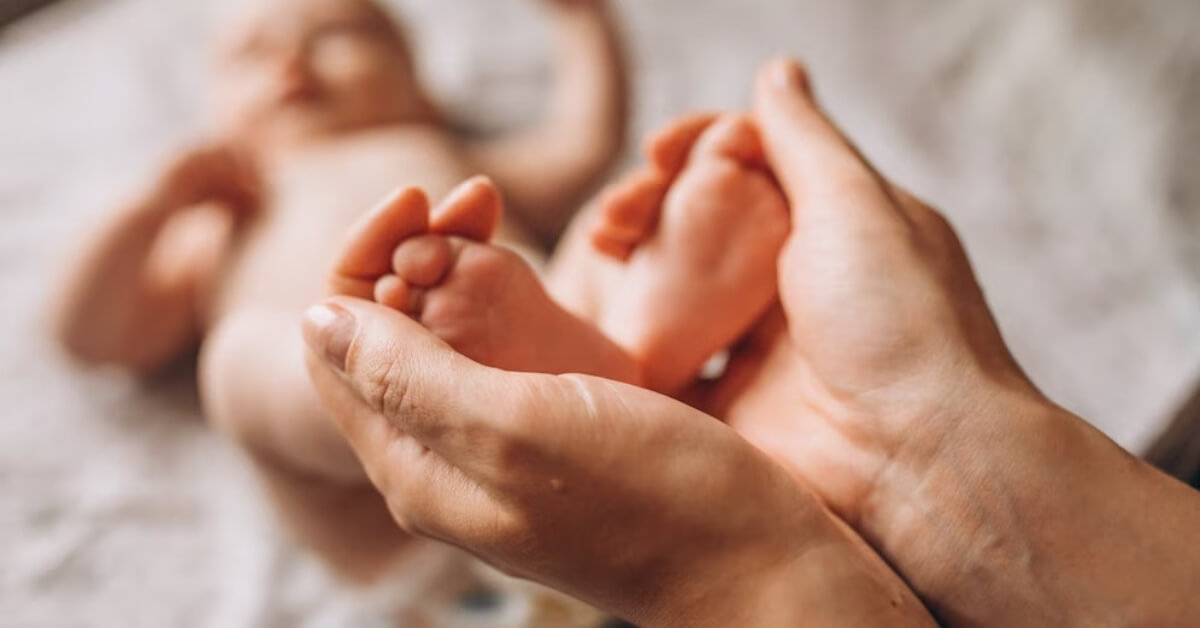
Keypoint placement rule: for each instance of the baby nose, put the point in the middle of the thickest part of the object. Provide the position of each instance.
(295, 72)
(294, 62)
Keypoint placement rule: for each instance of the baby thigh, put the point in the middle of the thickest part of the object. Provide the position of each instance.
(255, 388)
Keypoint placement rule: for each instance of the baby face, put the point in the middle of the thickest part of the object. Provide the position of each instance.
(292, 69)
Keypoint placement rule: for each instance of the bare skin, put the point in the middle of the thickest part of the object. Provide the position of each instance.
(698, 231)
(882, 381)
(886, 385)
(887, 388)
(793, 561)
(675, 263)
(625, 498)
(319, 113)
(483, 300)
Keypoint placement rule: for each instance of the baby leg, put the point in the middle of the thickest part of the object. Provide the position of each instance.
(481, 299)
(679, 259)
(256, 390)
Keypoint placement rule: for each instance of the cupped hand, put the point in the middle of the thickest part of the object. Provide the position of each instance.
(884, 339)
(884, 383)
(624, 498)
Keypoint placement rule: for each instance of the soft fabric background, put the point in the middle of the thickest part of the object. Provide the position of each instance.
(1060, 136)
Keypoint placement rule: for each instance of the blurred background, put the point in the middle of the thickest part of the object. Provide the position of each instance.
(1060, 136)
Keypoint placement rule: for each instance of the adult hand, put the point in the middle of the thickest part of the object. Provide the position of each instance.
(624, 498)
(889, 388)
(887, 332)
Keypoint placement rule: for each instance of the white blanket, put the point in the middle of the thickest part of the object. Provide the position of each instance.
(1060, 137)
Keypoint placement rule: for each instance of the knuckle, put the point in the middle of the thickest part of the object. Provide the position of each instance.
(386, 390)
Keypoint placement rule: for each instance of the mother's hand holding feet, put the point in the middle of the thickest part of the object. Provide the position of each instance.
(626, 499)
(889, 390)
(892, 393)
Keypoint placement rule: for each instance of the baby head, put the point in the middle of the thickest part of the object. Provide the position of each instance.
(290, 70)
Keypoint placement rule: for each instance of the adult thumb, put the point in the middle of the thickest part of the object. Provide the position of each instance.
(393, 369)
(820, 170)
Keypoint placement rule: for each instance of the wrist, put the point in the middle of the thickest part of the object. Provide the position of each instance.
(973, 415)
(930, 508)
(1019, 514)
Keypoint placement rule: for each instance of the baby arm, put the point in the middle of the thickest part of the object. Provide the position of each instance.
(546, 171)
(134, 295)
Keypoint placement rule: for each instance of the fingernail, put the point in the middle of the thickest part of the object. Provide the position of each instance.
(788, 76)
(329, 329)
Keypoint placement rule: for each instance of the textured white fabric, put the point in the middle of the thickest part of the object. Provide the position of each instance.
(1059, 135)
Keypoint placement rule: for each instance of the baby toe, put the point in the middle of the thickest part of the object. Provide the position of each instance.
(423, 261)
(392, 291)
(471, 211)
(733, 137)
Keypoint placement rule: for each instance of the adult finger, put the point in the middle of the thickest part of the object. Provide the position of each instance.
(425, 494)
(822, 173)
(408, 380)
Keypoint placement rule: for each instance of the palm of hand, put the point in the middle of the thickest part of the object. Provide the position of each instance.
(867, 354)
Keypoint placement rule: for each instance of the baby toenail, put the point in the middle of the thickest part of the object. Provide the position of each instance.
(329, 329)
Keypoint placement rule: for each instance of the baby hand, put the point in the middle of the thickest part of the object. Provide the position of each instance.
(214, 173)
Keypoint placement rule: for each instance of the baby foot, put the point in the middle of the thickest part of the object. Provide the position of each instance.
(700, 232)
(483, 300)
